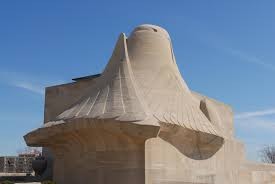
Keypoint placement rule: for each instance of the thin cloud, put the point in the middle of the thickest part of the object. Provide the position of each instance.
(211, 38)
(246, 115)
(249, 58)
(255, 131)
(28, 82)
(257, 124)
(30, 87)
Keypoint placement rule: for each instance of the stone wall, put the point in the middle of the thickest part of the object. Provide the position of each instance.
(164, 164)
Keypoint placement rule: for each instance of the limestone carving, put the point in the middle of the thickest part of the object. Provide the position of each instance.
(137, 122)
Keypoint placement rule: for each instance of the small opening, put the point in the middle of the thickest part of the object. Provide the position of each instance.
(155, 29)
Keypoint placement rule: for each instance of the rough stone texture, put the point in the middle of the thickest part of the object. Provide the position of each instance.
(139, 123)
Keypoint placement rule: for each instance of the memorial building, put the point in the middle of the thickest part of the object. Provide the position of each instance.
(138, 122)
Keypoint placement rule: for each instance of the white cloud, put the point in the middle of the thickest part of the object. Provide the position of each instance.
(246, 115)
(30, 87)
(255, 132)
(254, 123)
(35, 84)
(249, 58)
(211, 38)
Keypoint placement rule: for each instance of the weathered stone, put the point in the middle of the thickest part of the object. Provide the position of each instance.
(138, 122)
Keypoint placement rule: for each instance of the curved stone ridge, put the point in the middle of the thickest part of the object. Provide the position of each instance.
(116, 94)
(142, 85)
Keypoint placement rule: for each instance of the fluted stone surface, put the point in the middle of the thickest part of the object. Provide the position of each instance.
(138, 122)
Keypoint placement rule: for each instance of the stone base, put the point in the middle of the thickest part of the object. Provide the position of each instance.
(167, 165)
(96, 155)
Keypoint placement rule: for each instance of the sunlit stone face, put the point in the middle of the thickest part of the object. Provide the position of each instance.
(152, 28)
(139, 123)
(150, 51)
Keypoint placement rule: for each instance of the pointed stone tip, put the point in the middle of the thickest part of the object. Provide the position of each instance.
(123, 35)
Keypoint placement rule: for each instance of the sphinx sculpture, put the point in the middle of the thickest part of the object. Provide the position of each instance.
(112, 128)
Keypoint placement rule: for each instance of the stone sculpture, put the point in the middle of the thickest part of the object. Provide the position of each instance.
(138, 122)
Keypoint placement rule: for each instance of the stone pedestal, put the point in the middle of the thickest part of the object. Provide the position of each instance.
(103, 152)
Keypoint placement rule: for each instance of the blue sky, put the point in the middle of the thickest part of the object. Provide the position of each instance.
(224, 49)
